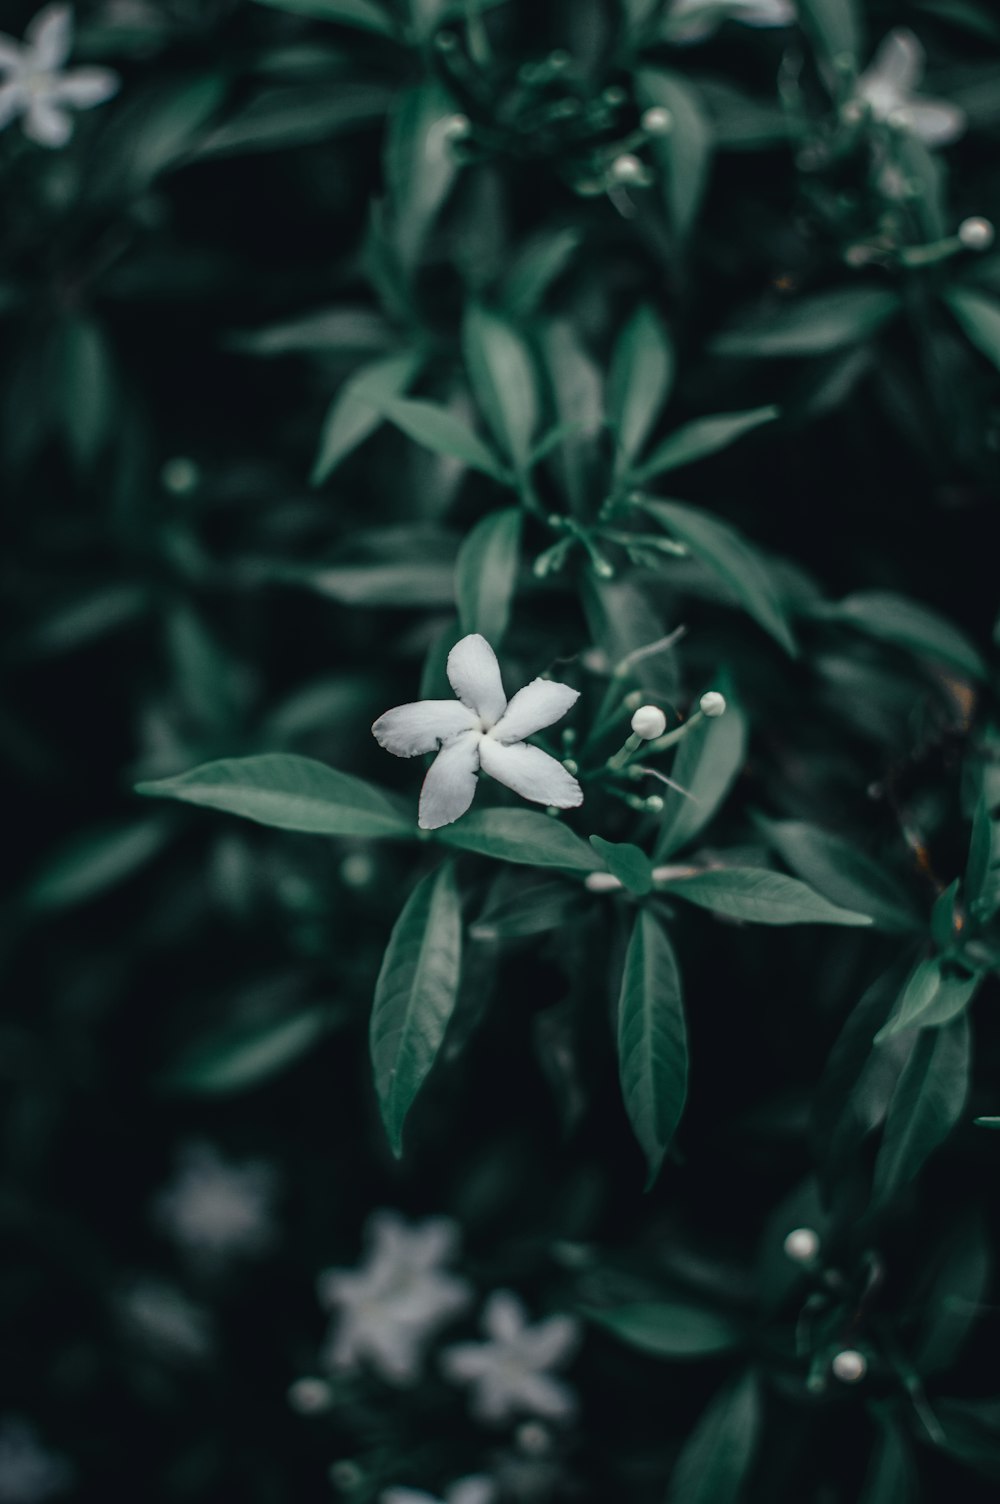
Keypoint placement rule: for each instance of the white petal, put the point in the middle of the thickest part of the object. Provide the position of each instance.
(530, 772)
(421, 726)
(85, 87)
(475, 1490)
(494, 1398)
(11, 54)
(549, 1342)
(12, 102)
(543, 1395)
(46, 124)
(450, 785)
(50, 37)
(504, 1316)
(467, 1361)
(474, 675)
(434, 1241)
(894, 72)
(933, 121)
(537, 705)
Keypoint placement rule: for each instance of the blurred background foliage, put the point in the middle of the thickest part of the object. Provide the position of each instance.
(248, 427)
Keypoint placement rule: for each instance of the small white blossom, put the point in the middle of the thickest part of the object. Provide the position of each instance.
(388, 1308)
(481, 731)
(309, 1396)
(850, 1366)
(214, 1209)
(627, 168)
(33, 84)
(712, 703)
(649, 722)
(477, 1489)
(802, 1245)
(696, 20)
(657, 121)
(509, 1374)
(888, 90)
(28, 1473)
(976, 233)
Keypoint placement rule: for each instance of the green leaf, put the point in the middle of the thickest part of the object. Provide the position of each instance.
(520, 835)
(896, 619)
(486, 574)
(502, 376)
(157, 126)
(987, 1122)
(236, 1059)
(671, 1328)
(88, 864)
(979, 317)
(420, 166)
(934, 994)
(538, 264)
(833, 27)
(628, 863)
(652, 1040)
(759, 896)
(361, 13)
(420, 582)
(734, 560)
(706, 765)
(716, 1458)
(415, 995)
(952, 1304)
(520, 904)
(892, 1476)
(642, 375)
(926, 1104)
(438, 429)
(358, 408)
(811, 325)
(288, 792)
(841, 872)
(87, 383)
(700, 438)
(282, 116)
(684, 154)
(980, 859)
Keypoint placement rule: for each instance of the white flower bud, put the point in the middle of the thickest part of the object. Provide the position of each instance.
(601, 882)
(627, 168)
(850, 1366)
(656, 121)
(712, 703)
(649, 722)
(180, 476)
(457, 127)
(310, 1396)
(802, 1245)
(976, 234)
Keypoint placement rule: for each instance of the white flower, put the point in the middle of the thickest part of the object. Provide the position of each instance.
(509, 1373)
(802, 1245)
(888, 89)
(696, 20)
(214, 1209)
(390, 1306)
(649, 722)
(850, 1366)
(33, 84)
(28, 1473)
(712, 704)
(473, 1490)
(480, 730)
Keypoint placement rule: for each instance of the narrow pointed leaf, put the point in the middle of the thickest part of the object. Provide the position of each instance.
(979, 317)
(838, 870)
(436, 428)
(642, 374)
(684, 154)
(652, 1040)
(716, 1459)
(671, 1328)
(502, 376)
(813, 325)
(356, 410)
(706, 764)
(486, 574)
(700, 438)
(628, 863)
(519, 835)
(361, 13)
(759, 897)
(926, 1104)
(934, 994)
(908, 624)
(238, 1059)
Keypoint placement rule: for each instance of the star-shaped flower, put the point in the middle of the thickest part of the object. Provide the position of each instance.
(888, 90)
(509, 1373)
(389, 1307)
(214, 1209)
(481, 730)
(32, 83)
(477, 1489)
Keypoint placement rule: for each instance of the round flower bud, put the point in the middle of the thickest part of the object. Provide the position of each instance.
(976, 234)
(627, 168)
(712, 703)
(457, 127)
(180, 476)
(850, 1366)
(802, 1245)
(310, 1396)
(649, 722)
(656, 121)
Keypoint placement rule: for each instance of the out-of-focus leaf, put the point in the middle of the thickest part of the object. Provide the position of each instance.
(502, 375)
(420, 166)
(979, 316)
(892, 1476)
(833, 26)
(519, 905)
(894, 618)
(952, 1301)
(652, 1040)
(812, 325)
(934, 994)
(839, 870)
(288, 792)
(486, 574)
(325, 331)
(700, 438)
(639, 386)
(415, 995)
(540, 263)
(156, 127)
(357, 409)
(88, 388)
(519, 835)
(671, 1328)
(628, 863)
(577, 387)
(296, 115)
(759, 896)
(706, 764)
(716, 1458)
(238, 1058)
(438, 429)
(926, 1104)
(728, 554)
(365, 14)
(684, 154)
(89, 864)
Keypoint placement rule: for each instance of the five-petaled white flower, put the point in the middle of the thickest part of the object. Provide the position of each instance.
(477, 1489)
(888, 90)
(509, 1373)
(33, 84)
(481, 730)
(696, 20)
(389, 1307)
(214, 1209)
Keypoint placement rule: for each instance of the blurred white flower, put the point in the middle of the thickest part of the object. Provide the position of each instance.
(388, 1308)
(214, 1209)
(509, 1374)
(28, 1473)
(480, 730)
(696, 20)
(473, 1490)
(33, 85)
(888, 90)
(162, 1319)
